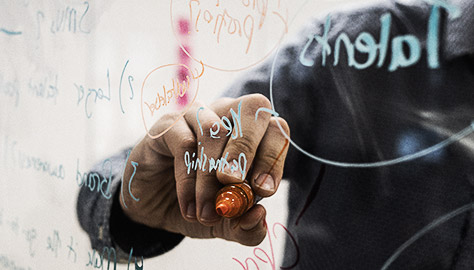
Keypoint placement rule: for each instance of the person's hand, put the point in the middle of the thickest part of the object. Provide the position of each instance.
(164, 195)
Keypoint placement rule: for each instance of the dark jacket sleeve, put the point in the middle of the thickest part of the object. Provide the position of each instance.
(101, 216)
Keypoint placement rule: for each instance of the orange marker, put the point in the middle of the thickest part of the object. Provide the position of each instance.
(234, 200)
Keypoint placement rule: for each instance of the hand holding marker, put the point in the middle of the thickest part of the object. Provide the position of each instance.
(235, 199)
(187, 196)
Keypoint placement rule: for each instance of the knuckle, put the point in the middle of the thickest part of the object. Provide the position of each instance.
(196, 105)
(284, 125)
(188, 142)
(163, 122)
(223, 100)
(257, 101)
(222, 133)
(269, 158)
(253, 237)
(183, 180)
(172, 116)
(209, 126)
(255, 241)
(243, 145)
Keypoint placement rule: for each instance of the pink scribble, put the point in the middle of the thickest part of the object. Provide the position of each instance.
(183, 31)
(264, 256)
(183, 26)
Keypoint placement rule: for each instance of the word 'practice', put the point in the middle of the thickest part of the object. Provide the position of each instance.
(222, 21)
(406, 49)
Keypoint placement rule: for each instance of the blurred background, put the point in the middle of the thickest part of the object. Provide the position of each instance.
(72, 92)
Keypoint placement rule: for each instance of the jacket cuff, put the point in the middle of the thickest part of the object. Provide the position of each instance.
(145, 241)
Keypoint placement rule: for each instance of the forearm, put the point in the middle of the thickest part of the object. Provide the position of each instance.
(101, 216)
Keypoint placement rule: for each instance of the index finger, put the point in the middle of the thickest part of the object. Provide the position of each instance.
(245, 137)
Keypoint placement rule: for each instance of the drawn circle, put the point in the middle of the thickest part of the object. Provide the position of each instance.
(454, 138)
(185, 110)
(222, 68)
(426, 230)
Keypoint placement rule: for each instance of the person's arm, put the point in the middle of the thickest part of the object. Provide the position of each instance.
(104, 219)
(108, 227)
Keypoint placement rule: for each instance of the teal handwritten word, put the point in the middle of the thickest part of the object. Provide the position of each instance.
(94, 93)
(10, 88)
(67, 20)
(134, 164)
(54, 243)
(225, 122)
(219, 164)
(96, 260)
(137, 267)
(199, 163)
(89, 95)
(71, 249)
(9, 264)
(15, 157)
(46, 88)
(93, 182)
(41, 165)
(14, 226)
(30, 237)
(366, 44)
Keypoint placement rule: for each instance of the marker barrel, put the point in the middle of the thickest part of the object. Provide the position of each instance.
(234, 200)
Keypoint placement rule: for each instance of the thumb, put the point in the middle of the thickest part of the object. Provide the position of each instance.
(249, 229)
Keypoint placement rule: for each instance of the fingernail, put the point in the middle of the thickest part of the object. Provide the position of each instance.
(191, 211)
(208, 213)
(233, 173)
(265, 182)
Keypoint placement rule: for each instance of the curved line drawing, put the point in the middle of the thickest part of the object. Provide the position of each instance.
(10, 33)
(277, 45)
(454, 138)
(425, 230)
(272, 112)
